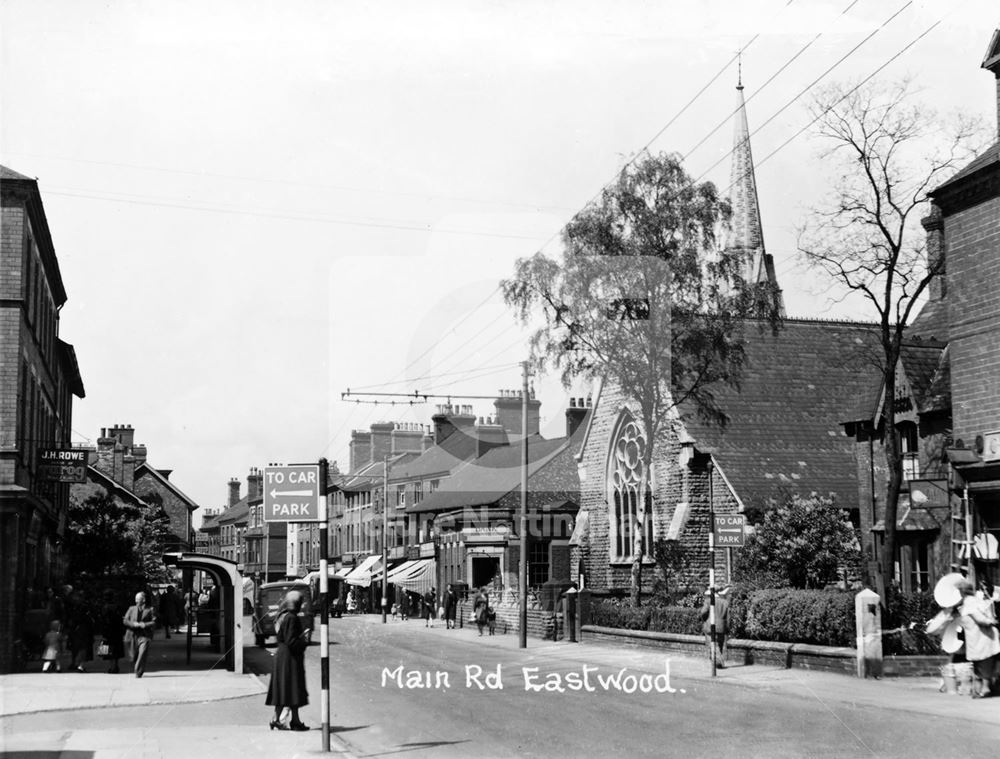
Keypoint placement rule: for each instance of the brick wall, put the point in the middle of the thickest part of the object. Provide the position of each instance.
(176, 508)
(972, 239)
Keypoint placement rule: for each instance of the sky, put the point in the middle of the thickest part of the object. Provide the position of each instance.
(257, 206)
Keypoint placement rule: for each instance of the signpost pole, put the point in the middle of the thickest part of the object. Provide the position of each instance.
(522, 574)
(324, 627)
(711, 565)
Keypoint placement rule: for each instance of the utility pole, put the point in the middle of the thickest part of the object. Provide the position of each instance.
(522, 597)
(711, 565)
(385, 533)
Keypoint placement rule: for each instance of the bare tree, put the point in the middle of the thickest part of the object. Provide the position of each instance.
(887, 152)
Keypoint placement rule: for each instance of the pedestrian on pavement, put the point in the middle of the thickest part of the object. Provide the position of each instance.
(140, 621)
(982, 641)
(169, 612)
(54, 643)
(429, 597)
(721, 620)
(80, 621)
(481, 608)
(404, 606)
(450, 607)
(287, 688)
(112, 628)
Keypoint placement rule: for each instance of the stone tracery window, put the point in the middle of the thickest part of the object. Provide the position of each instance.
(629, 511)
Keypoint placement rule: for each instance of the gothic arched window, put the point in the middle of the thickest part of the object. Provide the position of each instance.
(629, 517)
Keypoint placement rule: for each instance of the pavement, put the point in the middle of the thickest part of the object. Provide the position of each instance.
(170, 680)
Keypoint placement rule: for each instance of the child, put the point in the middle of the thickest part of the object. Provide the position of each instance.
(53, 648)
(491, 619)
(395, 611)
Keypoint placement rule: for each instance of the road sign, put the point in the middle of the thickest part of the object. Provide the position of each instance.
(729, 530)
(62, 464)
(291, 493)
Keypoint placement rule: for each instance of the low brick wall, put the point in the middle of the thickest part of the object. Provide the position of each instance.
(913, 666)
(539, 622)
(787, 655)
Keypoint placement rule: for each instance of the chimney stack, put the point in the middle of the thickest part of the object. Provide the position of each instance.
(361, 449)
(234, 491)
(575, 415)
(255, 484)
(933, 224)
(381, 438)
(508, 408)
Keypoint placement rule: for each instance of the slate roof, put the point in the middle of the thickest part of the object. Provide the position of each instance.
(497, 473)
(937, 396)
(920, 362)
(931, 322)
(239, 511)
(442, 459)
(784, 431)
(6, 173)
(984, 160)
(161, 475)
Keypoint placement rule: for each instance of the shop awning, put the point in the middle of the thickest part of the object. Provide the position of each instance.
(418, 578)
(393, 568)
(362, 574)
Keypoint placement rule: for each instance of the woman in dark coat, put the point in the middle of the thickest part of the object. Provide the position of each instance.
(480, 607)
(113, 629)
(288, 680)
(81, 631)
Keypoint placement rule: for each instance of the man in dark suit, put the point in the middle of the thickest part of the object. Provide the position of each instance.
(140, 621)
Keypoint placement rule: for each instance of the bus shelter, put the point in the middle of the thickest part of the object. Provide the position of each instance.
(229, 581)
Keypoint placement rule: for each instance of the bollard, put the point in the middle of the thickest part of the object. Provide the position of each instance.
(582, 612)
(569, 615)
(868, 625)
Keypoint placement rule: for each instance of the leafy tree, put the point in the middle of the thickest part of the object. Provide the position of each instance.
(641, 297)
(107, 536)
(887, 153)
(804, 543)
(672, 562)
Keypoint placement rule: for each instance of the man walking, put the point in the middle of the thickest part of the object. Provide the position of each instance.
(140, 621)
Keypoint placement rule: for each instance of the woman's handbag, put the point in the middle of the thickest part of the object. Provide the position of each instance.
(103, 649)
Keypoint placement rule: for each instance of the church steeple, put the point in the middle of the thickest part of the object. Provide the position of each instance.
(746, 229)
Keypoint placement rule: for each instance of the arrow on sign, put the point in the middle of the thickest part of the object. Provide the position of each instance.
(729, 529)
(276, 493)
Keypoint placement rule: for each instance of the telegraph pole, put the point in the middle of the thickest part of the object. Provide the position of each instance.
(324, 586)
(711, 565)
(385, 533)
(522, 593)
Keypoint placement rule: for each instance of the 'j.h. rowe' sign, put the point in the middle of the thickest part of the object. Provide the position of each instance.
(62, 464)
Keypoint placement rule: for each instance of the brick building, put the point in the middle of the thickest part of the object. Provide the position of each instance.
(118, 465)
(783, 437)
(948, 394)
(473, 519)
(39, 376)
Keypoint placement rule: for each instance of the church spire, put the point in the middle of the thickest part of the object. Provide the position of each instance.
(747, 231)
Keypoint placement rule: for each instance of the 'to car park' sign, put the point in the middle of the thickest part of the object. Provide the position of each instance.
(729, 530)
(291, 493)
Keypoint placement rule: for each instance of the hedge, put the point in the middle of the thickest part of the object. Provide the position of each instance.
(820, 617)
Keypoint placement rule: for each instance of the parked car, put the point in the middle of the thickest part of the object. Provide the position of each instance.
(268, 603)
(335, 592)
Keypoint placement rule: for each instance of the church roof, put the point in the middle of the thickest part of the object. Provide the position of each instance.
(784, 431)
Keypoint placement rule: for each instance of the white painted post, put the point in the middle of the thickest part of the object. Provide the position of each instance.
(868, 625)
